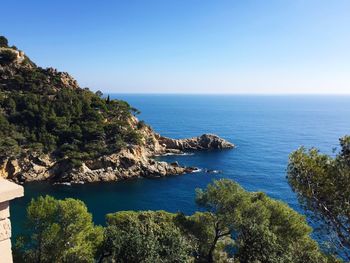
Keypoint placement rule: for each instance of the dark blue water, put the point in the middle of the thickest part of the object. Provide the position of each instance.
(264, 128)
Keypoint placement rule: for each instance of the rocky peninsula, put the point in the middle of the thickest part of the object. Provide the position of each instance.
(51, 129)
(131, 162)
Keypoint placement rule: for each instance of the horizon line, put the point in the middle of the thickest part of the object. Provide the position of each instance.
(233, 94)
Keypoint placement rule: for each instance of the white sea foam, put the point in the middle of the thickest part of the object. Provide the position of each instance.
(213, 171)
(63, 183)
(174, 154)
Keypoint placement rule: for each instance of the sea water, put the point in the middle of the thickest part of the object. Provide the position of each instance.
(265, 130)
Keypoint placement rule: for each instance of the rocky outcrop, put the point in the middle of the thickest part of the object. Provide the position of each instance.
(65, 79)
(131, 162)
(27, 168)
(19, 55)
(22, 65)
(203, 142)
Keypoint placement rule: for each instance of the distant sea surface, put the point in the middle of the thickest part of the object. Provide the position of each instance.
(265, 129)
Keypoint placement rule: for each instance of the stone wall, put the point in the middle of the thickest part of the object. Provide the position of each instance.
(8, 191)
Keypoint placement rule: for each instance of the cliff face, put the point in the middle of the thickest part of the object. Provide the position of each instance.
(131, 162)
(51, 129)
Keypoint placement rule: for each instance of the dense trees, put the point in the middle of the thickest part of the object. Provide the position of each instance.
(144, 237)
(7, 57)
(261, 229)
(73, 123)
(58, 231)
(322, 184)
(42, 111)
(237, 226)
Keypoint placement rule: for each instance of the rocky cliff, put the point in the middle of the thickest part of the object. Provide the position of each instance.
(131, 162)
(51, 129)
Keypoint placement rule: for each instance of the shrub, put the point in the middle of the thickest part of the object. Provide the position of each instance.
(3, 41)
(148, 237)
(7, 56)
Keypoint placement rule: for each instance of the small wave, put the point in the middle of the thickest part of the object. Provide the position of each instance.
(197, 170)
(174, 154)
(63, 183)
(213, 171)
(184, 154)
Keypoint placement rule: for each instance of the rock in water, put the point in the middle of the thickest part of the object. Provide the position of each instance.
(203, 142)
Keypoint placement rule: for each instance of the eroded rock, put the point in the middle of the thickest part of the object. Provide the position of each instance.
(131, 162)
(203, 142)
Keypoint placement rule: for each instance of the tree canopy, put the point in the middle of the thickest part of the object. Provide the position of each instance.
(261, 229)
(149, 236)
(7, 56)
(236, 226)
(322, 184)
(58, 231)
(44, 111)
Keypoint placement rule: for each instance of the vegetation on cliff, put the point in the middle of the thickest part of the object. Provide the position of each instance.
(42, 110)
(51, 129)
(234, 226)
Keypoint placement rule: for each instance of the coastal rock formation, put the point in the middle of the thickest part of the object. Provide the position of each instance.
(51, 129)
(203, 142)
(131, 162)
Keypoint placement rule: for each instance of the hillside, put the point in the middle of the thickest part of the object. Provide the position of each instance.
(50, 128)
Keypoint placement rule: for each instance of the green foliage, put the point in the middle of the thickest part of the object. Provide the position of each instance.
(8, 147)
(42, 110)
(322, 184)
(99, 93)
(204, 231)
(60, 231)
(3, 41)
(263, 229)
(141, 125)
(144, 237)
(345, 149)
(37, 109)
(7, 56)
(238, 226)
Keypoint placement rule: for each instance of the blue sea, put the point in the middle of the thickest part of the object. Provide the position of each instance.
(265, 129)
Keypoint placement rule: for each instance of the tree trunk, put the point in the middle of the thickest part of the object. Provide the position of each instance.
(210, 258)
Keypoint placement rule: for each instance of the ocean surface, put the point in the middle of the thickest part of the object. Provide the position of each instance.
(265, 130)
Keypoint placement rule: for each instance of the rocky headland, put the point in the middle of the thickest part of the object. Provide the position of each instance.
(131, 162)
(51, 129)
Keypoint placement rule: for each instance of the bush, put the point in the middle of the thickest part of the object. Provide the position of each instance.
(7, 56)
(141, 125)
(144, 237)
(3, 41)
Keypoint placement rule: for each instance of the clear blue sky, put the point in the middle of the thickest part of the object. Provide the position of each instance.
(188, 46)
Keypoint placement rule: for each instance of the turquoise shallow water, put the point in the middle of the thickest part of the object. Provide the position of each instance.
(264, 128)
